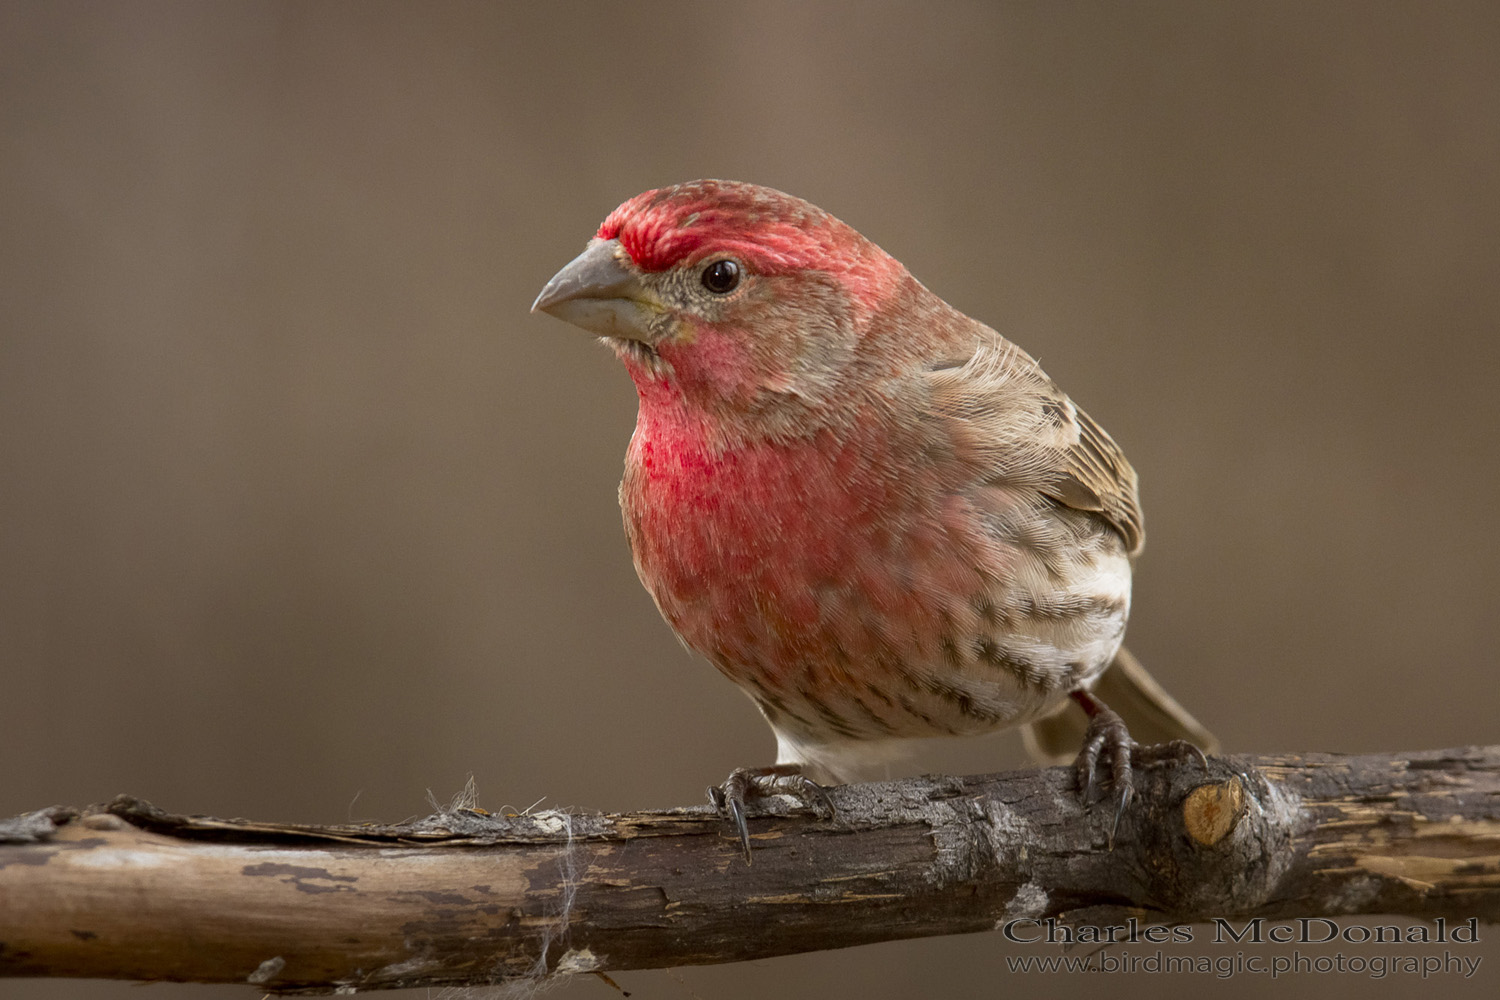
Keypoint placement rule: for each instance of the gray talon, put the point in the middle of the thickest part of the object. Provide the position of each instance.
(746, 783)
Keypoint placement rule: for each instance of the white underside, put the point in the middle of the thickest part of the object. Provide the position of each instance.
(839, 763)
(1051, 646)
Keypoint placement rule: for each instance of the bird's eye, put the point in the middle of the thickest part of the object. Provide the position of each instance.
(721, 276)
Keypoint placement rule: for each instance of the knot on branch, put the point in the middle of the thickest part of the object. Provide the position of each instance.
(1216, 842)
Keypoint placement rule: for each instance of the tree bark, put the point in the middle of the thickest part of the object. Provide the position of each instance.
(466, 897)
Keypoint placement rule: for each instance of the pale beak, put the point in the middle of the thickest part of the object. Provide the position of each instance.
(599, 293)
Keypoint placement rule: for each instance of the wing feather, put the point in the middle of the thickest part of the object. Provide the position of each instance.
(1005, 414)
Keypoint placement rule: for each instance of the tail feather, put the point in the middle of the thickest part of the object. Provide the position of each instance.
(1151, 714)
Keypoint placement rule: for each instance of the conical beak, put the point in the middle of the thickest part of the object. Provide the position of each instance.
(598, 292)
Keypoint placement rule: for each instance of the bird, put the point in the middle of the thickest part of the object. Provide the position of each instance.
(873, 513)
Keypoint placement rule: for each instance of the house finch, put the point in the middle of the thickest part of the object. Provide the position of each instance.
(876, 515)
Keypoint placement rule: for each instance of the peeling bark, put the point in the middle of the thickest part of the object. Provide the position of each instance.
(465, 897)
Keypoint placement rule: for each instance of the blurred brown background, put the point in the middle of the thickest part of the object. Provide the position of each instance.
(303, 515)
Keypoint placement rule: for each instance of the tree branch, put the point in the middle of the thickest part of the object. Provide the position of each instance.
(465, 897)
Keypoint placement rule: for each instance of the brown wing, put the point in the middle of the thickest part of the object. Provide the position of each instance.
(1004, 413)
(1098, 478)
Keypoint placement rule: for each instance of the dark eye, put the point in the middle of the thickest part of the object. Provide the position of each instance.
(721, 276)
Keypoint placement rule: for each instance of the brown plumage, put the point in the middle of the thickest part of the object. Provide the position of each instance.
(875, 514)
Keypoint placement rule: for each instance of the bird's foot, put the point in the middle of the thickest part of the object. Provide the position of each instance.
(745, 784)
(1109, 756)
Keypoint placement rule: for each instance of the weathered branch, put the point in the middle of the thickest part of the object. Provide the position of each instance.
(467, 898)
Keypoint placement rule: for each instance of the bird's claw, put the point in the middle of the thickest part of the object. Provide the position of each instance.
(746, 783)
(1108, 739)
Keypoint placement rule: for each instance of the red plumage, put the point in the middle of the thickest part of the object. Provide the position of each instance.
(875, 514)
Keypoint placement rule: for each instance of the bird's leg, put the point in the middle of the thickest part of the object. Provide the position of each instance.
(1107, 737)
(747, 783)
